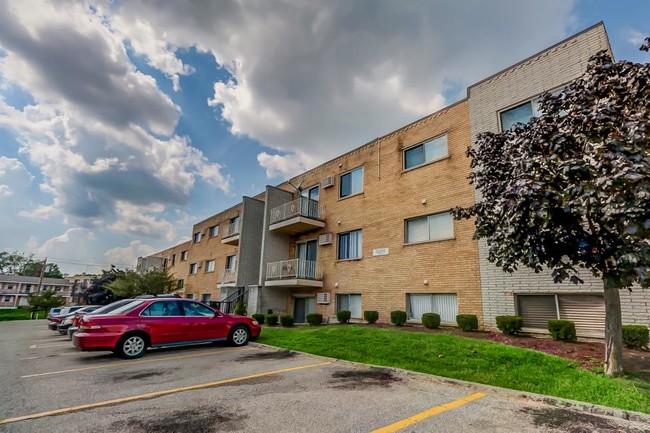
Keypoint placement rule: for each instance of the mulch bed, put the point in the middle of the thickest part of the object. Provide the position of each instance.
(590, 354)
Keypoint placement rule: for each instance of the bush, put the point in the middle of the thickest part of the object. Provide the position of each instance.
(431, 320)
(314, 319)
(510, 325)
(240, 308)
(286, 320)
(371, 316)
(467, 322)
(635, 336)
(271, 319)
(343, 316)
(398, 318)
(259, 317)
(562, 330)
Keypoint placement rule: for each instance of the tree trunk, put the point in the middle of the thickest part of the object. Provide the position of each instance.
(613, 332)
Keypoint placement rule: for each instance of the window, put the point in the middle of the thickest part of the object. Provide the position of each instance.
(234, 225)
(194, 268)
(209, 266)
(434, 149)
(164, 264)
(7, 298)
(311, 193)
(206, 297)
(587, 311)
(214, 231)
(197, 237)
(189, 296)
(351, 183)
(444, 304)
(183, 256)
(231, 263)
(173, 259)
(196, 309)
(180, 284)
(163, 308)
(430, 228)
(351, 303)
(349, 245)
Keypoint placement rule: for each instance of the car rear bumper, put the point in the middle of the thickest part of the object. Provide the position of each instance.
(63, 327)
(52, 326)
(95, 341)
(72, 330)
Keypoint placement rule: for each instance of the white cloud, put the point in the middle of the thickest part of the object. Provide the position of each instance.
(319, 78)
(141, 220)
(636, 38)
(72, 242)
(129, 254)
(14, 176)
(5, 191)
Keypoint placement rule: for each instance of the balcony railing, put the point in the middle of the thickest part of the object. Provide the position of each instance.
(296, 268)
(301, 207)
(232, 229)
(229, 276)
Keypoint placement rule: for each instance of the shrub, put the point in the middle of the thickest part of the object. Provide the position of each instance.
(562, 330)
(371, 316)
(398, 317)
(286, 320)
(240, 308)
(343, 316)
(259, 317)
(271, 319)
(467, 322)
(635, 336)
(510, 325)
(314, 319)
(431, 320)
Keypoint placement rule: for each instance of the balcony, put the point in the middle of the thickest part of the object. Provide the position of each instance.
(231, 234)
(228, 278)
(294, 273)
(297, 216)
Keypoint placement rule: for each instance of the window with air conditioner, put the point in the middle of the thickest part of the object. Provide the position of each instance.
(349, 302)
(351, 183)
(426, 152)
(430, 228)
(209, 266)
(350, 245)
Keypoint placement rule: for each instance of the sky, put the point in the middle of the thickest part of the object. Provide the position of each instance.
(123, 123)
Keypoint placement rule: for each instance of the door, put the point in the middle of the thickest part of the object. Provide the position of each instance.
(302, 307)
(164, 322)
(306, 255)
(202, 324)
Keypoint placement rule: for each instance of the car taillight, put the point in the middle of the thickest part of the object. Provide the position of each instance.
(89, 325)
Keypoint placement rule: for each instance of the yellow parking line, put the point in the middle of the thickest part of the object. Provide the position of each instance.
(428, 413)
(154, 394)
(143, 361)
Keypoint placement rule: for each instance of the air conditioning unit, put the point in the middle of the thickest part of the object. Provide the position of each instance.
(325, 239)
(323, 298)
(327, 182)
(202, 232)
(199, 264)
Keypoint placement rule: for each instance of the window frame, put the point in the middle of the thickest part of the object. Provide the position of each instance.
(207, 266)
(338, 246)
(360, 295)
(233, 258)
(196, 237)
(406, 221)
(184, 256)
(349, 172)
(194, 267)
(534, 109)
(423, 143)
(214, 228)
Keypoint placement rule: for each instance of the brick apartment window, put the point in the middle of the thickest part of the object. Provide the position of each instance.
(351, 303)
(164, 263)
(351, 183)
(209, 266)
(189, 296)
(197, 237)
(180, 284)
(434, 149)
(444, 304)
(214, 231)
(7, 298)
(205, 298)
(430, 228)
(194, 267)
(173, 259)
(522, 113)
(349, 245)
(231, 263)
(183, 256)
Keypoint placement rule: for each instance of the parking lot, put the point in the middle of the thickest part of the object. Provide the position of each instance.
(48, 386)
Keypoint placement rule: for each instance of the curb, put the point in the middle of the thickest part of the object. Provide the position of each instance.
(562, 403)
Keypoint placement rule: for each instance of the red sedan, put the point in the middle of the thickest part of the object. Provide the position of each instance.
(130, 330)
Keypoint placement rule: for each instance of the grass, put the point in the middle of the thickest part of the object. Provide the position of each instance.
(463, 358)
(17, 314)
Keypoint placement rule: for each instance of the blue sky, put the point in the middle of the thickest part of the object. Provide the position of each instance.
(122, 124)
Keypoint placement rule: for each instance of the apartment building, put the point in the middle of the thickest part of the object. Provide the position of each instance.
(174, 259)
(14, 289)
(495, 104)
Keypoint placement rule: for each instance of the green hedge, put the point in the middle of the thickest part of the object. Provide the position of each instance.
(510, 325)
(286, 320)
(314, 319)
(343, 316)
(431, 320)
(271, 319)
(635, 336)
(398, 317)
(562, 330)
(259, 317)
(371, 316)
(467, 322)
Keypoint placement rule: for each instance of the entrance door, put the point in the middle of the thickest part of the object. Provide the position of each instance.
(302, 307)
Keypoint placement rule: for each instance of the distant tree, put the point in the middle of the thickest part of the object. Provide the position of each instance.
(33, 269)
(571, 189)
(44, 301)
(152, 282)
(98, 293)
(13, 263)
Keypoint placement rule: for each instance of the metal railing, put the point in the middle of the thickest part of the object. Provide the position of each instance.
(296, 268)
(232, 229)
(300, 207)
(227, 305)
(229, 276)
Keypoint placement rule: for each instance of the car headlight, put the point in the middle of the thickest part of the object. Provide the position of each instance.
(68, 321)
(255, 322)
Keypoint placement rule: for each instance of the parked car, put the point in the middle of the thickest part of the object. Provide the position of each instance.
(69, 320)
(65, 312)
(155, 322)
(101, 310)
(53, 312)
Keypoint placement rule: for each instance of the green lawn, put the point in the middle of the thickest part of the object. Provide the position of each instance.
(466, 359)
(17, 314)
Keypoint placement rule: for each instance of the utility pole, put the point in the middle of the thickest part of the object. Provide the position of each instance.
(40, 278)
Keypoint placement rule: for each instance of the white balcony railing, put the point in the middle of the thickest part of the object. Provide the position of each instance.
(296, 268)
(232, 229)
(300, 207)
(229, 276)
